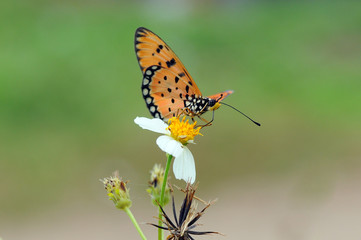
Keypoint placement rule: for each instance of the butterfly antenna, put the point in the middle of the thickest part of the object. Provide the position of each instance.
(258, 124)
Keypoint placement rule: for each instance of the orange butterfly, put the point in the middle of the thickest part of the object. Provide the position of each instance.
(167, 87)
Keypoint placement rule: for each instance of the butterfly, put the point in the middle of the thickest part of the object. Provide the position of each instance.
(167, 87)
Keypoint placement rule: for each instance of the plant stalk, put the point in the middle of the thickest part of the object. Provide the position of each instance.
(132, 218)
(165, 180)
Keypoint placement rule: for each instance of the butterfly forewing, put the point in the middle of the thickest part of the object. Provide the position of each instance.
(152, 50)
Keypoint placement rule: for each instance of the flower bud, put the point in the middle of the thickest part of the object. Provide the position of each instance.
(117, 192)
(155, 185)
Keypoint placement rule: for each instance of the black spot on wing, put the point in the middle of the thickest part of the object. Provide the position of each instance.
(171, 63)
(181, 75)
(176, 79)
(187, 88)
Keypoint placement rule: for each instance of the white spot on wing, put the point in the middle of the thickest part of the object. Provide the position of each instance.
(145, 91)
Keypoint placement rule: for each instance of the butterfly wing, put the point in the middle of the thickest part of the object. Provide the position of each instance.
(166, 82)
(220, 96)
(165, 92)
(152, 50)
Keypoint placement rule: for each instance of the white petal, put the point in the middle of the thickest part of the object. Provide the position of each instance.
(184, 167)
(169, 145)
(155, 124)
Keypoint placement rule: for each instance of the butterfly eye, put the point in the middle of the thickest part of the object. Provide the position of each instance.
(211, 102)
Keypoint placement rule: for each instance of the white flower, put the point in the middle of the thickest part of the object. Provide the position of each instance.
(176, 136)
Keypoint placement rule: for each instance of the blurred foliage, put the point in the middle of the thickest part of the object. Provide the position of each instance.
(70, 89)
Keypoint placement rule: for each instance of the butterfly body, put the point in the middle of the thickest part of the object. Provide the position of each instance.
(167, 87)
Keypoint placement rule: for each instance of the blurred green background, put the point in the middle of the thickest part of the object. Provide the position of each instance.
(70, 90)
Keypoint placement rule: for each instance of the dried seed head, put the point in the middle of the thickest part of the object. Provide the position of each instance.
(117, 191)
(155, 185)
(184, 225)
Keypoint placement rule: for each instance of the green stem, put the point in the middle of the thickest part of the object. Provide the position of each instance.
(165, 179)
(132, 218)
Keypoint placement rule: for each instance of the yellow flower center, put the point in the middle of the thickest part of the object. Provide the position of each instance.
(183, 131)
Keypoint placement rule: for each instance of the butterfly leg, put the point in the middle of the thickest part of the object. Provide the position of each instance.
(212, 117)
(181, 112)
(186, 112)
(203, 125)
(208, 123)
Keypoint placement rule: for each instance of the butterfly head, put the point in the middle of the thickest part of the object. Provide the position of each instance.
(213, 105)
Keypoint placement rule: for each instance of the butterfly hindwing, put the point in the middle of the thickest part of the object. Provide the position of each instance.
(164, 91)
